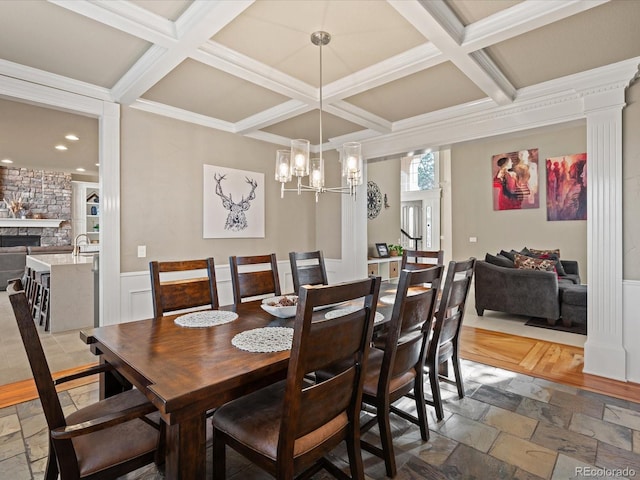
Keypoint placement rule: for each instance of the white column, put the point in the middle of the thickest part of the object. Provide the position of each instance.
(109, 289)
(604, 353)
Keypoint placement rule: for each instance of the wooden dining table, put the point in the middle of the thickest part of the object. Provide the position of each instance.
(186, 372)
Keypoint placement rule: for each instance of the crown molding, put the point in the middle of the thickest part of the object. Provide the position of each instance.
(40, 77)
(549, 103)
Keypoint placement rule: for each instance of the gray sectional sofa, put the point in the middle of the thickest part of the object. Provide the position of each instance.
(14, 259)
(533, 293)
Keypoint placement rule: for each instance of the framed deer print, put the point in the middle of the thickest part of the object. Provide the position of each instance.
(233, 203)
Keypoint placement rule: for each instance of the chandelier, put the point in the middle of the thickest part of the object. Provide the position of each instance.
(296, 161)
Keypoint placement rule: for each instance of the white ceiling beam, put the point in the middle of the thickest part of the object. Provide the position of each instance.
(359, 116)
(436, 21)
(183, 115)
(521, 18)
(234, 63)
(271, 116)
(201, 21)
(126, 17)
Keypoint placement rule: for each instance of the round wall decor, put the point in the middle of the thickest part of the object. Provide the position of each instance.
(374, 200)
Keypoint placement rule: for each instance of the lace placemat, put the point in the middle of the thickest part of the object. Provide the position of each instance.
(264, 340)
(206, 318)
(346, 310)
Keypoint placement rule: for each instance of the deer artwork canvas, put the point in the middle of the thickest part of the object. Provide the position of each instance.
(233, 203)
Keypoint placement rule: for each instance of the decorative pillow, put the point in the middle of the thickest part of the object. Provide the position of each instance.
(544, 252)
(555, 258)
(498, 260)
(509, 255)
(530, 263)
(546, 255)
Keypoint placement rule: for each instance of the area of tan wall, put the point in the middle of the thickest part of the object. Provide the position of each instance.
(328, 209)
(631, 185)
(385, 228)
(472, 199)
(161, 193)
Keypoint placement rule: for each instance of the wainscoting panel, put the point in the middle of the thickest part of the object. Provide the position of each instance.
(135, 287)
(631, 327)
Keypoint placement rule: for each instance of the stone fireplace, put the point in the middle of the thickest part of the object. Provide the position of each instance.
(47, 195)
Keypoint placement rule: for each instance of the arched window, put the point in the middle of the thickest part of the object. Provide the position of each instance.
(419, 172)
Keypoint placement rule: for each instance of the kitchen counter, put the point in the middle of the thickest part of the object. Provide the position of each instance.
(71, 292)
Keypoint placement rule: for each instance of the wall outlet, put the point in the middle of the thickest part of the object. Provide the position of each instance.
(473, 239)
(142, 251)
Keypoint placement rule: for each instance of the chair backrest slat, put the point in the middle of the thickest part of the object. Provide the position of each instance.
(254, 281)
(307, 268)
(420, 259)
(177, 294)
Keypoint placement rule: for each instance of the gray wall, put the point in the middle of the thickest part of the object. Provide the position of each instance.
(631, 185)
(385, 228)
(161, 193)
(473, 214)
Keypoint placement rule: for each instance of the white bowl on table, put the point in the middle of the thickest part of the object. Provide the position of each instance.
(271, 305)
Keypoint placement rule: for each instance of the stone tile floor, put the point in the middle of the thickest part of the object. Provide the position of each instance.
(509, 426)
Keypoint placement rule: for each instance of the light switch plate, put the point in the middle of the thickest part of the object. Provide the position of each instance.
(142, 251)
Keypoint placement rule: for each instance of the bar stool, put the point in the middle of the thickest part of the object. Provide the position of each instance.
(45, 300)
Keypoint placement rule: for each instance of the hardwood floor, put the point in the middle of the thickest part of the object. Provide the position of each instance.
(537, 358)
(25, 390)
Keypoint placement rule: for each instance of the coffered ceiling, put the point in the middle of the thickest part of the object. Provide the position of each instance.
(249, 67)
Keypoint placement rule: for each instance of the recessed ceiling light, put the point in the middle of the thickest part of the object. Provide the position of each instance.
(6, 160)
(80, 169)
(97, 164)
(61, 147)
(72, 137)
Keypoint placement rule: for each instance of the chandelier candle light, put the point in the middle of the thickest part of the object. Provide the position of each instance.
(296, 161)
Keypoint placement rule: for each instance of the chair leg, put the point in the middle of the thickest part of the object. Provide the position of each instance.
(421, 408)
(219, 460)
(386, 441)
(51, 471)
(435, 392)
(458, 373)
(354, 451)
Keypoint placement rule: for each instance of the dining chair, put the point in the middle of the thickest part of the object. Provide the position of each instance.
(259, 276)
(419, 259)
(101, 441)
(171, 294)
(288, 428)
(397, 369)
(445, 339)
(307, 268)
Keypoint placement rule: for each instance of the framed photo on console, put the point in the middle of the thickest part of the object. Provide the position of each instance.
(383, 250)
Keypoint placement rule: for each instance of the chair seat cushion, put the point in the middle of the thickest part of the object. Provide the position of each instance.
(254, 421)
(106, 448)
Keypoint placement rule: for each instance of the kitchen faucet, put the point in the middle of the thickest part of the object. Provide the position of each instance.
(76, 247)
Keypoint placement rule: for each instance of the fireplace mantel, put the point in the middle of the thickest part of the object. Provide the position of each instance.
(31, 222)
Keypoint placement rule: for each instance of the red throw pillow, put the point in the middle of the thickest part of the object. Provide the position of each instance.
(530, 263)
